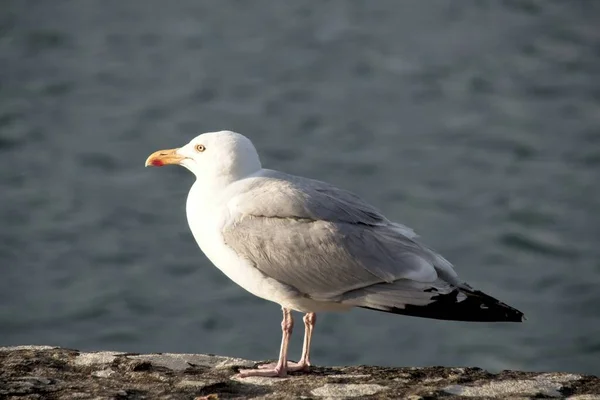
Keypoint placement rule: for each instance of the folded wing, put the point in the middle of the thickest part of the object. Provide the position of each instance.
(324, 241)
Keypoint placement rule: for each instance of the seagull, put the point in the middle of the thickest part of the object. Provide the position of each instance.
(312, 247)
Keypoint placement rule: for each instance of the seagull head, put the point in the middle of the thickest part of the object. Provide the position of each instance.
(212, 155)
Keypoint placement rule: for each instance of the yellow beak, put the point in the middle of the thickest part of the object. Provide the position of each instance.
(164, 157)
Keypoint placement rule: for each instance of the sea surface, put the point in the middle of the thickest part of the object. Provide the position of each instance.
(477, 123)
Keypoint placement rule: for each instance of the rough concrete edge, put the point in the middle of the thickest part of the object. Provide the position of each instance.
(29, 347)
(548, 384)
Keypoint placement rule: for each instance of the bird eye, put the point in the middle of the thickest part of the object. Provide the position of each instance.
(200, 148)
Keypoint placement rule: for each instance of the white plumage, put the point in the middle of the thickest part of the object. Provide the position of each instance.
(312, 247)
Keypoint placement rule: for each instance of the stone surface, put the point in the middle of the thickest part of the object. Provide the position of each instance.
(347, 390)
(100, 358)
(45, 372)
(530, 387)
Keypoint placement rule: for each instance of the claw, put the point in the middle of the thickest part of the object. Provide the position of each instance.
(273, 372)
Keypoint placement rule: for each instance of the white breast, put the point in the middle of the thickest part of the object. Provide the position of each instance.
(206, 220)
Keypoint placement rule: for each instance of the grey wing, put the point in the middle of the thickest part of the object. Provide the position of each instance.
(331, 246)
(326, 260)
(280, 195)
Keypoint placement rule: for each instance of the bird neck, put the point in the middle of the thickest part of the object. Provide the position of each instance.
(208, 191)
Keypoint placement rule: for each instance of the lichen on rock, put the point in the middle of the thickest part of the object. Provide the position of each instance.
(44, 372)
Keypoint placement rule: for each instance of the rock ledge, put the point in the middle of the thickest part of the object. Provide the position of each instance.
(44, 372)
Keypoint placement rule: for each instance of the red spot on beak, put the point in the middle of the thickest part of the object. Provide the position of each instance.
(163, 157)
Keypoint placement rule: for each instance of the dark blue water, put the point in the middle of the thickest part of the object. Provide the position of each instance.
(477, 123)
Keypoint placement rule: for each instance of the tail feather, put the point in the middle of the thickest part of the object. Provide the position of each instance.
(461, 304)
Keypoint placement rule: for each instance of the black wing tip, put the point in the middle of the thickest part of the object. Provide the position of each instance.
(477, 307)
(451, 316)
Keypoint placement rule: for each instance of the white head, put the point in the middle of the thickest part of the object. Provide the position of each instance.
(213, 155)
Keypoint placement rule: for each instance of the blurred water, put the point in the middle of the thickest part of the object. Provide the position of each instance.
(475, 122)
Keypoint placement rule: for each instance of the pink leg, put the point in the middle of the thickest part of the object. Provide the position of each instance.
(310, 319)
(281, 368)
